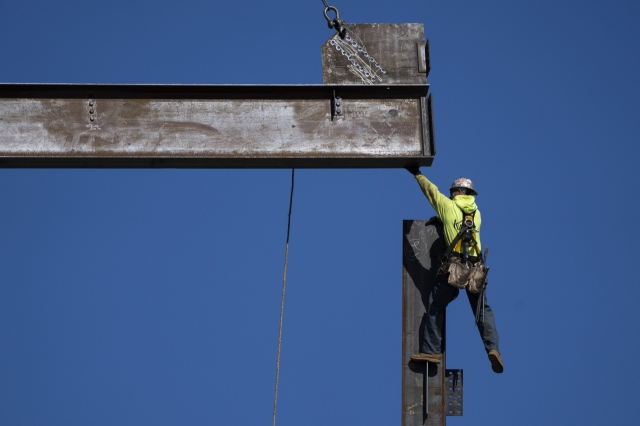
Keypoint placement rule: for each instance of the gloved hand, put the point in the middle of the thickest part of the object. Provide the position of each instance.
(413, 169)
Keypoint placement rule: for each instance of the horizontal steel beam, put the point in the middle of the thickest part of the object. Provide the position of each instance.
(217, 126)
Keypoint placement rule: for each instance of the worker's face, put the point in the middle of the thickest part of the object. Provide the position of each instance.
(457, 192)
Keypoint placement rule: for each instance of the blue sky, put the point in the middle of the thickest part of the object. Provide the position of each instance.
(151, 297)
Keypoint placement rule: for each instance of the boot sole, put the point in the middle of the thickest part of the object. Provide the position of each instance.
(496, 365)
(426, 360)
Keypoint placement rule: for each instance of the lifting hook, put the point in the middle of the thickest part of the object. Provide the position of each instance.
(336, 23)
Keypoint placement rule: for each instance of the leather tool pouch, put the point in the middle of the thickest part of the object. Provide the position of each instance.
(461, 275)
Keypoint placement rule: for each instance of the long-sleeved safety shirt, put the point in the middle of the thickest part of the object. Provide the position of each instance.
(450, 211)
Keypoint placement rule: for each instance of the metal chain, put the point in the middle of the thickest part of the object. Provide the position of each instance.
(284, 287)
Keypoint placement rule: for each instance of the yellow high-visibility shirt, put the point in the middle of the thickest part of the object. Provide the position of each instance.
(450, 211)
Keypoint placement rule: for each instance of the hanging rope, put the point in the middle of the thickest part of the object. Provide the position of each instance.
(284, 287)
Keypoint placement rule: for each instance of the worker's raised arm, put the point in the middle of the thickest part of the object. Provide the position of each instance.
(438, 200)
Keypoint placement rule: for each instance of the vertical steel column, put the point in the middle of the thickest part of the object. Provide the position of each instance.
(423, 246)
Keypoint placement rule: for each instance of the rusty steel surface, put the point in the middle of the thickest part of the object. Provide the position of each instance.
(423, 384)
(375, 54)
(372, 111)
(97, 125)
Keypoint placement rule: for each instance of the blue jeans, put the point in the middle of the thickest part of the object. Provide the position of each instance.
(441, 295)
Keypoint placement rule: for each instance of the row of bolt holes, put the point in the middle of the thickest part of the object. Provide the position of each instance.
(451, 396)
(354, 44)
(92, 110)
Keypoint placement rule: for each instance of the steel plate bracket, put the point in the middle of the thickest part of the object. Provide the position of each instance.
(336, 105)
(424, 57)
(453, 392)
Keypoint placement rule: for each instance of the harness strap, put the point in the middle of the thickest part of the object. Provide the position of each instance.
(457, 241)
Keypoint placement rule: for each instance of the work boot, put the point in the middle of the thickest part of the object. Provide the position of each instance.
(496, 362)
(422, 357)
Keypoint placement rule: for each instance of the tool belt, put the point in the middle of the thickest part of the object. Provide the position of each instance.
(461, 274)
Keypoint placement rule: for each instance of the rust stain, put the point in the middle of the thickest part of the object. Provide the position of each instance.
(208, 128)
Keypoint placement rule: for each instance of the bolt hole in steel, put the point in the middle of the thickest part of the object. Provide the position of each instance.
(91, 111)
(450, 411)
(92, 118)
(91, 103)
(450, 404)
(383, 71)
(360, 49)
(333, 42)
(373, 79)
(450, 396)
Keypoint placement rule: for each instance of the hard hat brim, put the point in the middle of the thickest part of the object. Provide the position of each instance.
(471, 191)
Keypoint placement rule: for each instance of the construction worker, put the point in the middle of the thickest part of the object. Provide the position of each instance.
(450, 213)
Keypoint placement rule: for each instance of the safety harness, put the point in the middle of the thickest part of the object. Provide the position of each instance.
(465, 238)
(462, 270)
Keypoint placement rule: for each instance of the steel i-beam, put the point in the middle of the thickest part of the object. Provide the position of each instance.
(373, 110)
(430, 392)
